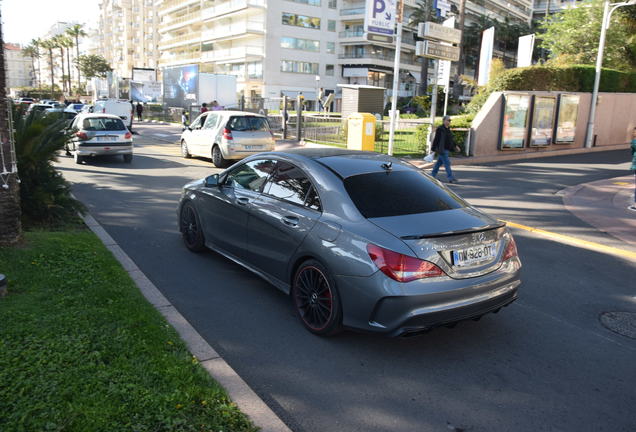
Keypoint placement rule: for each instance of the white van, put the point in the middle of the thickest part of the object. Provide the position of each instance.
(119, 107)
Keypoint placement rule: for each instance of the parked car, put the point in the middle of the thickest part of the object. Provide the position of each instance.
(25, 100)
(97, 135)
(74, 107)
(358, 239)
(119, 107)
(227, 135)
(38, 107)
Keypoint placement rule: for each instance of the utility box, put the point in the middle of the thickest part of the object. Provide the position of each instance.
(361, 98)
(361, 132)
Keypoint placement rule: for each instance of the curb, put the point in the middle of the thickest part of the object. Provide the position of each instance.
(237, 389)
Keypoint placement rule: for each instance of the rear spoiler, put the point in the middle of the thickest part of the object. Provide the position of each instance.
(452, 233)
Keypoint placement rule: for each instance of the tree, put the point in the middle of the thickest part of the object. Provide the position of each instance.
(60, 43)
(10, 224)
(67, 42)
(424, 12)
(49, 45)
(76, 32)
(572, 36)
(33, 52)
(92, 66)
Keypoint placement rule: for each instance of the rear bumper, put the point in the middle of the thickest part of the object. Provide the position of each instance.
(379, 304)
(104, 150)
(238, 153)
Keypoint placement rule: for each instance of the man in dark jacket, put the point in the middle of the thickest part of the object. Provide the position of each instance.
(443, 144)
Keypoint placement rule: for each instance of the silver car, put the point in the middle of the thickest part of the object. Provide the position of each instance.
(227, 135)
(98, 135)
(358, 239)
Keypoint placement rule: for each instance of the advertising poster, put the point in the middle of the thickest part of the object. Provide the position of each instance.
(485, 56)
(566, 123)
(144, 75)
(181, 86)
(515, 121)
(542, 121)
(380, 17)
(145, 91)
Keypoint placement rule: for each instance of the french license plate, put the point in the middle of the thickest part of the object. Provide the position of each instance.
(105, 138)
(252, 147)
(473, 255)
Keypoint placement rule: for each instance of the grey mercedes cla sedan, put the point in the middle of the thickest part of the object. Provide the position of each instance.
(359, 240)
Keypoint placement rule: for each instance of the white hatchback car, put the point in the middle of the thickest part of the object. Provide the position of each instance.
(227, 135)
(98, 135)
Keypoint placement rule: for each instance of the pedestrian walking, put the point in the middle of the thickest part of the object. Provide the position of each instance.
(204, 107)
(633, 206)
(140, 111)
(443, 144)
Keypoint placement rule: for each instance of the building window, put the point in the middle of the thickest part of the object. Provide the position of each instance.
(255, 70)
(331, 47)
(309, 2)
(300, 44)
(299, 67)
(331, 25)
(333, 4)
(301, 21)
(329, 70)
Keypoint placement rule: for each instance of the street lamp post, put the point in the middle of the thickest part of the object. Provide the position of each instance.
(608, 9)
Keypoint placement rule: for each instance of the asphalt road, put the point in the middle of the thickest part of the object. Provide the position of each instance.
(543, 364)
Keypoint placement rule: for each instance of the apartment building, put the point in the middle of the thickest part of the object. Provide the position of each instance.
(129, 35)
(19, 69)
(543, 8)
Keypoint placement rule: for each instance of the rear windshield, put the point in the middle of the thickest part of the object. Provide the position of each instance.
(398, 193)
(248, 123)
(103, 124)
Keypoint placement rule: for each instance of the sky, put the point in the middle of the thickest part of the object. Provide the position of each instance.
(23, 20)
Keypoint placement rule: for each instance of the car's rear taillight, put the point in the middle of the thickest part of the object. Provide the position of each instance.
(511, 249)
(402, 268)
(227, 134)
(82, 135)
(128, 135)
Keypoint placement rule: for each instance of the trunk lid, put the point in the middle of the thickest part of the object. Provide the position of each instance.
(464, 242)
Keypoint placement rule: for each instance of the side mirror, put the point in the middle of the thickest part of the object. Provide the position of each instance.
(212, 180)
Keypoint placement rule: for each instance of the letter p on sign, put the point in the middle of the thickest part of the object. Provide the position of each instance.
(378, 7)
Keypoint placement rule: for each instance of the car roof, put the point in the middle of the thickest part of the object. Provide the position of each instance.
(346, 163)
(234, 113)
(97, 115)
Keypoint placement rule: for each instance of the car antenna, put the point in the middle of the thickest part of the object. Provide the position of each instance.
(388, 166)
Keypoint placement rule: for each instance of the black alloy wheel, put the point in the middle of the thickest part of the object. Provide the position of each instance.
(190, 228)
(316, 299)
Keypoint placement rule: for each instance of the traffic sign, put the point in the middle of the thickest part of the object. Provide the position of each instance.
(431, 30)
(437, 50)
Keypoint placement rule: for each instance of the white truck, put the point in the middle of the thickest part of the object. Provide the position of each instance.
(119, 107)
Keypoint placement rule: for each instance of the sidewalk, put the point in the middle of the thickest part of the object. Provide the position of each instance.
(603, 204)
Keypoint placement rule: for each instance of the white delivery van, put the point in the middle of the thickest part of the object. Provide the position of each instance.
(119, 107)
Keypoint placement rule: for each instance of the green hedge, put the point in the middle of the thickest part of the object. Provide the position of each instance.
(576, 78)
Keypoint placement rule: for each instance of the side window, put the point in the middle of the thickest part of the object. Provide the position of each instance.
(198, 123)
(210, 123)
(251, 175)
(289, 183)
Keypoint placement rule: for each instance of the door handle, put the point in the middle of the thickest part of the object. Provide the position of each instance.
(291, 221)
(242, 201)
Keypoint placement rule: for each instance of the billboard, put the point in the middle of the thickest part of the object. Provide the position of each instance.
(181, 86)
(144, 75)
(566, 122)
(514, 130)
(524, 50)
(542, 121)
(485, 56)
(145, 91)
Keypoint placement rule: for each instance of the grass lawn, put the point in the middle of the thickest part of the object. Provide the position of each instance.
(82, 350)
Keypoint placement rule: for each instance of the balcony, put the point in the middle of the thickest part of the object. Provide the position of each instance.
(228, 54)
(191, 56)
(169, 6)
(180, 40)
(350, 12)
(229, 7)
(181, 21)
(388, 58)
(233, 30)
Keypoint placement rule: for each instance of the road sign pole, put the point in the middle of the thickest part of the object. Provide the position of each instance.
(433, 106)
(446, 89)
(396, 78)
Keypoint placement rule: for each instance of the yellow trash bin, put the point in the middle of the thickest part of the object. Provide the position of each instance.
(361, 132)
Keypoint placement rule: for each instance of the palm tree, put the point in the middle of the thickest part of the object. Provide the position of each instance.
(49, 45)
(76, 32)
(68, 44)
(59, 42)
(33, 52)
(10, 224)
(37, 44)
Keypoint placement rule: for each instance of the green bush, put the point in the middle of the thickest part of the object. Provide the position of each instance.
(45, 195)
(575, 78)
